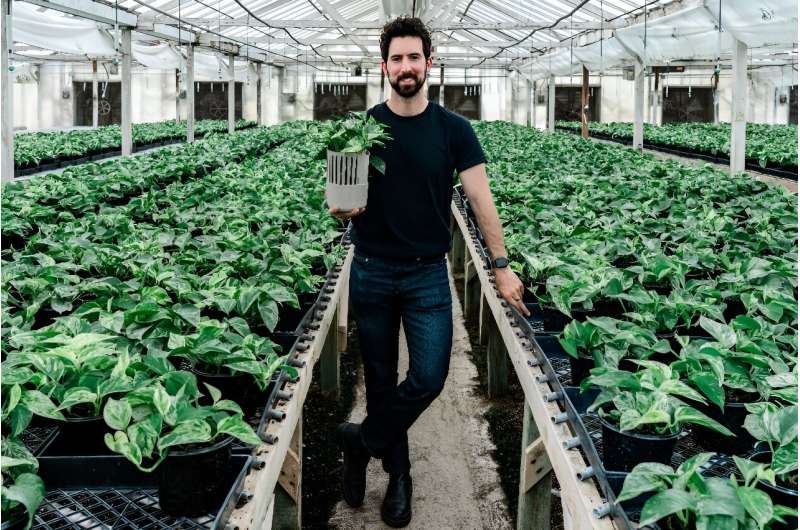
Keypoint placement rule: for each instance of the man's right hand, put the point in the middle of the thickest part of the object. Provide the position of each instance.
(345, 215)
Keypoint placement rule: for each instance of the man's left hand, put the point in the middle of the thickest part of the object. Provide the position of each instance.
(511, 289)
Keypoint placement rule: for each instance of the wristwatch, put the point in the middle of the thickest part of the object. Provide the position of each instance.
(500, 263)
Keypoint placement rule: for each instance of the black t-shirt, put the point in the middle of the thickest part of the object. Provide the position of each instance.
(408, 207)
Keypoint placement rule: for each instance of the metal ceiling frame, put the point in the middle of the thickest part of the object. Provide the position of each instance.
(318, 31)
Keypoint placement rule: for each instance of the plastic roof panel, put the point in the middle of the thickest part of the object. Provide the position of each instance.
(766, 24)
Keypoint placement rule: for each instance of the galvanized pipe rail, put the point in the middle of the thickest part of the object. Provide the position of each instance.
(550, 441)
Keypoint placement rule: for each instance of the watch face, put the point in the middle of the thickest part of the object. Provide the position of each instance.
(500, 263)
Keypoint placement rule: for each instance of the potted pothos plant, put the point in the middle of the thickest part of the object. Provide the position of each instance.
(683, 499)
(356, 133)
(68, 379)
(732, 370)
(605, 341)
(161, 425)
(348, 144)
(22, 488)
(775, 427)
(641, 413)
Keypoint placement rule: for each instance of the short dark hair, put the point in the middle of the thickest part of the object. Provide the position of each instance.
(405, 27)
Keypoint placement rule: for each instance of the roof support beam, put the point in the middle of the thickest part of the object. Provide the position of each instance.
(361, 24)
(89, 9)
(106, 14)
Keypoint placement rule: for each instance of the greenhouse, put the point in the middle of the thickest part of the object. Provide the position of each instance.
(350, 264)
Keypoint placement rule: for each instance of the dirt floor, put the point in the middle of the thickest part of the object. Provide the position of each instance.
(321, 458)
(505, 428)
(456, 483)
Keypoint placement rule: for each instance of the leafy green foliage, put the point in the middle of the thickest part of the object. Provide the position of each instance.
(691, 500)
(777, 427)
(21, 485)
(32, 149)
(766, 143)
(164, 413)
(356, 133)
(647, 400)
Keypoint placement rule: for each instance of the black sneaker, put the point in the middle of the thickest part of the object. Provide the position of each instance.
(354, 463)
(396, 508)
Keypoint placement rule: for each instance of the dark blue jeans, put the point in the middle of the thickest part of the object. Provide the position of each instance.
(382, 293)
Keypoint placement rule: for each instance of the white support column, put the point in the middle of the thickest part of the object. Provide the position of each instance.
(529, 89)
(739, 107)
(533, 104)
(281, 107)
(551, 104)
(441, 85)
(638, 106)
(190, 93)
(178, 95)
(654, 101)
(95, 97)
(127, 130)
(259, 121)
(231, 95)
(7, 96)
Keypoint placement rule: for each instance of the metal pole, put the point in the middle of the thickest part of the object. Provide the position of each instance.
(95, 97)
(281, 106)
(585, 103)
(739, 110)
(259, 121)
(654, 113)
(7, 96)
(127, 133)
(533, 97)
(190, 93)
(638, 106)
(231, 96)
(441, 85)
(178, 94)
(529, 86)
(551, 103)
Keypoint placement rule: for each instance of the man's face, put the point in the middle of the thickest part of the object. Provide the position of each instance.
(406, 66)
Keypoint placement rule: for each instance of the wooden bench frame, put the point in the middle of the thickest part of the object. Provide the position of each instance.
(543, 440)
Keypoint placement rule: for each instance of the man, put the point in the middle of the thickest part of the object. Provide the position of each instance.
(399, 270)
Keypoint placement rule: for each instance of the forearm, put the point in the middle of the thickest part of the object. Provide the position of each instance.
(488, 220)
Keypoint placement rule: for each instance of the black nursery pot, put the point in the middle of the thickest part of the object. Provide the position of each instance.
(239, 387)
(733, 418)
(579, 368)
(633, 507)
(79, 437)
(779, 494)
(622, 451)
(15, 519)
(190, 482)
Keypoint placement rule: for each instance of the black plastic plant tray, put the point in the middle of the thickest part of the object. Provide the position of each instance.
(541, 320)
(104, 492)
(37, 438)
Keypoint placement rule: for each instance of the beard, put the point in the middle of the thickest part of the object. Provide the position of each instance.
(408, 91)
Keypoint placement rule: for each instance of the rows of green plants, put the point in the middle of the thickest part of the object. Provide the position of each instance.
(679, 286)
(80, 189)
(766, 144)
(196, 273)
(33, 149)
